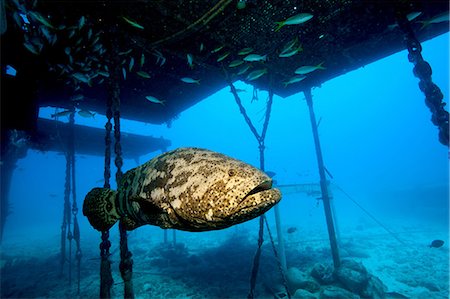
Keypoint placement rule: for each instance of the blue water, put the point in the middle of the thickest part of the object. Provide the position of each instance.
(378, 142)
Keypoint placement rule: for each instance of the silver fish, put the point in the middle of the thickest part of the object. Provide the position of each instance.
(256, 74)
(142, 61)
(86, 113)
(72, 33)
(442, 17)
(38, 17)
(35, 49)
(236, 63)
(294, 20)
(245, 51)
(303, 70)
(133, 23)
(289, 45)
(103, 73)
(82, 77)
(81, 22)
(188, 189)
(190, 60)
(190, 80)
(160, 59)
(293, 80)
(97, 47)
(143, 74)
(131, 64)
(255, 57)
(412, 15)
(217, 49)
(154, 100)
(291, 52)
(120, 53)
(243, 69)
(223, 56)
(61, 114)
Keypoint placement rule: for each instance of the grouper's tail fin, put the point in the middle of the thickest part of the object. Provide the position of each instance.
(100, 208)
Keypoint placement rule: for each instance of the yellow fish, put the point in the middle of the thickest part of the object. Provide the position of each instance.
(294, 20)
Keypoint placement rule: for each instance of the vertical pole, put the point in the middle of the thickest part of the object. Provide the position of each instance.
(281, 252)
(71, 156)
(323, 183)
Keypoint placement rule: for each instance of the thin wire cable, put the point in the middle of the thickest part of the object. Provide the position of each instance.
(370, 215)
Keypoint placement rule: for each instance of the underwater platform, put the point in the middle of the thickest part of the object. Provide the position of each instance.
(170, 40)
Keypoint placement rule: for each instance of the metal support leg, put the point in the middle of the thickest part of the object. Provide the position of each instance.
(281, 251)
(323, 183)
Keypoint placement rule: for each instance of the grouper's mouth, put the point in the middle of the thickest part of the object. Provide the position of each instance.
(259, 199)
(266, 185)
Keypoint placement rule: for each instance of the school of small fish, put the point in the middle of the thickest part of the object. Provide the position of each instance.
(40, 31)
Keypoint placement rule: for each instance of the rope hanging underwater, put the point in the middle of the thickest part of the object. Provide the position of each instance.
(126, 262)
(75, 235)
(66, 215)
(76, 228)
(256, 258)
(259, 138)
(106, 279)
(70, 156)
(70, 212)
(283, 276)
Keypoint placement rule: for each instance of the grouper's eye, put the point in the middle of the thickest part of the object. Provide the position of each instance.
(231, 172)
(108, 206)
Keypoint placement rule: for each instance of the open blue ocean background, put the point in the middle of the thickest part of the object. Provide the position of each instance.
(377, 139)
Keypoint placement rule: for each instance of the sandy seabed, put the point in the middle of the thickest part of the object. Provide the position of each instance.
(218, 264)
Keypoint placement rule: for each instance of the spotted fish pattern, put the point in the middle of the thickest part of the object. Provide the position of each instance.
(189, 189)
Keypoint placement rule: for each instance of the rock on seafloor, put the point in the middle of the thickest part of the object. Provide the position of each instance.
(304, 294)
(300, 280)
(375, 289)
(333, 292)
(324, 273)
(353, 276)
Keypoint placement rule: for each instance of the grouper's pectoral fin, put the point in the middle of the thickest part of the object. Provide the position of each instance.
(150, 213)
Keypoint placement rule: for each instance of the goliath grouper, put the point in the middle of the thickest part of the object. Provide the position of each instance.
(188, 189)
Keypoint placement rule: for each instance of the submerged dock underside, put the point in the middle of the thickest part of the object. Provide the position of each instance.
(69, 50)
